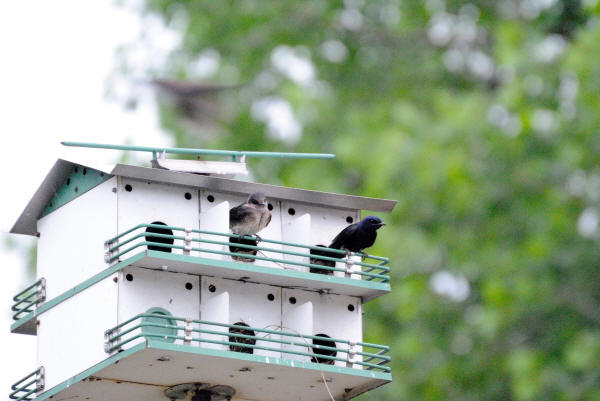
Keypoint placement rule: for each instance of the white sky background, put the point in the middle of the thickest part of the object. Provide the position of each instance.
(55, 57)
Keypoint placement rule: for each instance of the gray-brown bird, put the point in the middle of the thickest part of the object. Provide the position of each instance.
(251, 216)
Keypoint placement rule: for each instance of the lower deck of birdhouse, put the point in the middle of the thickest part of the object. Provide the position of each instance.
(144, 371)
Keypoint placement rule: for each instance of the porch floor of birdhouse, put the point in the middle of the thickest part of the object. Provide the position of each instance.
(138, 374)
(248, 272)
(255, 272)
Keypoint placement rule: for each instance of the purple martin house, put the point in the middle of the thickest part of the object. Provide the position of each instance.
(139, 294)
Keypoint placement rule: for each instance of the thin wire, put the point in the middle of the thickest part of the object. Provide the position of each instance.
(307, 346)
(277, 263)
(320, 370)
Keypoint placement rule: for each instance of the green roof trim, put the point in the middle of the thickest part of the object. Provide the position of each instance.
(79, 181)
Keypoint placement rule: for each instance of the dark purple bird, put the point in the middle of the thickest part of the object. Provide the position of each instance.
(358, 236)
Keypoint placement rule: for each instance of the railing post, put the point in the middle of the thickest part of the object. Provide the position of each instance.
(107, 253)
(107, 342)
(41, 291)
(349, 265)
(187, 241)
(40, 379)
(351, 356)
(187, 339)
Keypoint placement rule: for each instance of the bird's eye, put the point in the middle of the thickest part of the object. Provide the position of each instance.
(254, 201)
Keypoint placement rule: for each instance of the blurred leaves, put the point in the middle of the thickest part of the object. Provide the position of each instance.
(480, 118)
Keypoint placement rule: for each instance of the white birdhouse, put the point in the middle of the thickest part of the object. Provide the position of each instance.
(140, 294)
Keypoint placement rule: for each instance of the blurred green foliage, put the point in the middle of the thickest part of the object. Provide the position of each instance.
(481, 118)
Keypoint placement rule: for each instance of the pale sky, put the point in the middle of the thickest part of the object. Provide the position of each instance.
(55, 58)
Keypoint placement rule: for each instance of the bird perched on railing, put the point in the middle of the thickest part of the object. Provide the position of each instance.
(251, 216)
(248, 219)
(358, 236)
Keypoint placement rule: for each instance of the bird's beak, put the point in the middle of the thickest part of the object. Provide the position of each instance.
(381, 224)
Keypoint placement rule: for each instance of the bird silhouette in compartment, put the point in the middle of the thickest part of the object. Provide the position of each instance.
(358, 236)
(242, 340)
(160, 240)
(321, 262)
(241, 250)
(246, 220)
(325, 341)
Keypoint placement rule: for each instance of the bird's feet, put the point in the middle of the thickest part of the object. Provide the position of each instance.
(361, 254)
(258, 238)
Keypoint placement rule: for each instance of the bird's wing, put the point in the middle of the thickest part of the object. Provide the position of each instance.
(239, 213)
(343, 236)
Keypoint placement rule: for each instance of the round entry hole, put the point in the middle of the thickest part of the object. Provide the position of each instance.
(159, 239)
(242, 340)
(325, 341)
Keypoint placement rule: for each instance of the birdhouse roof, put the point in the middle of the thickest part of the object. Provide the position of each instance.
(27, 221)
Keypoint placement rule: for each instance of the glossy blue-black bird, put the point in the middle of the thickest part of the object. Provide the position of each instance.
(358, 236)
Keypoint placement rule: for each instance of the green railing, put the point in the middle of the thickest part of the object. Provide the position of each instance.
(137, 238)
(26, 300)
(25, 389)
(246, 339)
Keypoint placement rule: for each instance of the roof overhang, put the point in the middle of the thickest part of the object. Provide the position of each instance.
(27, 221)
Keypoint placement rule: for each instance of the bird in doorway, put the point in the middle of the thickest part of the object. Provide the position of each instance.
(321, 262)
